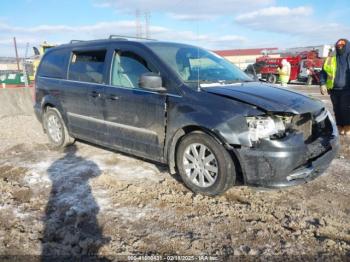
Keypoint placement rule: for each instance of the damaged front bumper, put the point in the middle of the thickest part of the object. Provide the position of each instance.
(288, 161)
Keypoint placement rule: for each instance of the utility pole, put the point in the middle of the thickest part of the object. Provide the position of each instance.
(147, 24)
(17, 58)
(25, 75)
(138, 23)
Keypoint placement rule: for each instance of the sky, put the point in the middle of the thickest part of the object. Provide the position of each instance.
(215, 25)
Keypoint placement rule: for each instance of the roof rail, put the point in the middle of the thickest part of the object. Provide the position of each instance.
(123, 37)
(75, 41)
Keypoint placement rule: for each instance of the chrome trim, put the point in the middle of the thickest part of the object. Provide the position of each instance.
(322, 116)
(304, 173)
(335, 132)
(132, 128)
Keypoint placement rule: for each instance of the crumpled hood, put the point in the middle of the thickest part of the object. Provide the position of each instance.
(268, 98)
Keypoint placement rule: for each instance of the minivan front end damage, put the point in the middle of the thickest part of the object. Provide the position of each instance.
(287, 149)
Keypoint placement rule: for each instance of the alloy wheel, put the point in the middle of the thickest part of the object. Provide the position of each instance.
(55, 128)
(200, 165)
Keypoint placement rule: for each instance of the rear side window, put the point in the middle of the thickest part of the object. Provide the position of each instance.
(54, 64)
(87, 66)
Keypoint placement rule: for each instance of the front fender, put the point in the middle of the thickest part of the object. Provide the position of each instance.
(232, 132)
(229, 126)
(221, 117)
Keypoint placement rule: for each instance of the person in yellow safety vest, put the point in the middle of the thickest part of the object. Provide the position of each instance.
(335, 80)
(328, 72)
(284, 72)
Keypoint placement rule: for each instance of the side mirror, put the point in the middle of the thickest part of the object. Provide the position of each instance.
(152, 82)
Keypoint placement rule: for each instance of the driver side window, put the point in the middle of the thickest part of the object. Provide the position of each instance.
(127, 69)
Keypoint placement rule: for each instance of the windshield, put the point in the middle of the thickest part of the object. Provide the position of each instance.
(196, 65)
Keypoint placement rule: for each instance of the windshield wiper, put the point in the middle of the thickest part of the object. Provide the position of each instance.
(199, 81)
(237, 81)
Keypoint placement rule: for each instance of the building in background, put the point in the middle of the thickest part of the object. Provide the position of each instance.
(9, 64)
(244, 57)
(321, 49)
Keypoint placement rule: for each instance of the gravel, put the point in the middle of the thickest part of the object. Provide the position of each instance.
(90, 200)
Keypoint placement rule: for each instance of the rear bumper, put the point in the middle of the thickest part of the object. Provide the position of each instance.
(288, 162)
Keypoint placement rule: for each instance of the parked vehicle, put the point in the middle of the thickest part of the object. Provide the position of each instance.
(186, 107)
(305, 67)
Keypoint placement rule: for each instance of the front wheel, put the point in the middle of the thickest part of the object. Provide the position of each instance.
(56, 129)
(272, 79)
(204, 165)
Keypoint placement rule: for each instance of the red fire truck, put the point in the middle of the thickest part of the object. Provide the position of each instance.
(305, 67)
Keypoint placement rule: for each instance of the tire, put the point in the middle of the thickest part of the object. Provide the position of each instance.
(309, 81)
(204, 165)
(56, 129)
(271, 78)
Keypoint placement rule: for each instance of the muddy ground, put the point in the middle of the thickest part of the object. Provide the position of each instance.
(89, 200)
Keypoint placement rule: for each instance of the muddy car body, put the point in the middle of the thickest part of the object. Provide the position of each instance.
(185, 107)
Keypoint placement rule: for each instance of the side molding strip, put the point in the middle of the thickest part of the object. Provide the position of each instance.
(108, 123)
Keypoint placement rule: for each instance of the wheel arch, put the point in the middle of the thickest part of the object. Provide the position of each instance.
(49, 101)
(180, 133)
(272, 78)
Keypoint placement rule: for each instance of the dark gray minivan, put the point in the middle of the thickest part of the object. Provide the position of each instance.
(186, 107)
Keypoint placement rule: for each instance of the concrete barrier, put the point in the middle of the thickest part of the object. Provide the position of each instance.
(16, 101)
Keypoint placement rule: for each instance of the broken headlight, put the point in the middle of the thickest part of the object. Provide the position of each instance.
(264, 127)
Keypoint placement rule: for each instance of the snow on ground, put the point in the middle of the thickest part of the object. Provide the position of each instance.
(93, 200)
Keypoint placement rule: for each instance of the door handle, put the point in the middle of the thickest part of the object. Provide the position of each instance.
(112, 97)
(95, 94)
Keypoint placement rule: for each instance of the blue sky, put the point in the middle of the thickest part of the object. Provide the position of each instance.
(219, 24)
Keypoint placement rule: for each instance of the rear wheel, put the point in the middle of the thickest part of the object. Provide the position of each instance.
(56, 129)
(204, 165)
